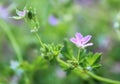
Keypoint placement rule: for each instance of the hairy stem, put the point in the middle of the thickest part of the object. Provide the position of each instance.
(87, 74)
(103, 79)
(62, 62)
(78, 56)
(38, 37)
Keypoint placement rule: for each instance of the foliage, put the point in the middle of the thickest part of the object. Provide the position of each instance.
(34, 51)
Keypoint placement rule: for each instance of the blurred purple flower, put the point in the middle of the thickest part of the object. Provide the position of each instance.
(81, 41)
(4, 13)
(60, 73)
(85, 2)
(105, 43)
(53, 20)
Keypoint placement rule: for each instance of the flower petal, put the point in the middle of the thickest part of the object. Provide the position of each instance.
(21, 13)
(88, 44)
(86, 39)
(74, 40)
(81, 41)
(79, 36)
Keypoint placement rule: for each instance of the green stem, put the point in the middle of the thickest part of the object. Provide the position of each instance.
(38, 37)
(79, 71)
(78, 56)
(86, 74)
(15, 45)
(103, 79)
(62, 62)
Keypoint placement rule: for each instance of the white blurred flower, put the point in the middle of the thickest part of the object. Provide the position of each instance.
(116, 25)
(14, 65)
(14, 80)
(89, 68)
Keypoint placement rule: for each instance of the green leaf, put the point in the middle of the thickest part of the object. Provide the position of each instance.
(82, 55)
(93, 59)
(96, 58)
(67, 50)
(51, 51)
(96, 66)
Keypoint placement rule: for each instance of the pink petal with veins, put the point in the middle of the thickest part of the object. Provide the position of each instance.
(81, 41)
(78, 36)
(86, 39)
(21, 13)
(74, 40)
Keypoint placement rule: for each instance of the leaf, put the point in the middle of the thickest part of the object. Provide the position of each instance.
(93, 59)
(67, 50)
(82, 55)
(97, 58)
(96, 66)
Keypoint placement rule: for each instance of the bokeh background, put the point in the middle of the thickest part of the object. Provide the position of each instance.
(59, 20)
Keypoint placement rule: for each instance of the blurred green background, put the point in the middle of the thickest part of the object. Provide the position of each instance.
(59, 20)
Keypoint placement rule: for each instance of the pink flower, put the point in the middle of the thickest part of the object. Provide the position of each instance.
(21, 13)
(81, 41)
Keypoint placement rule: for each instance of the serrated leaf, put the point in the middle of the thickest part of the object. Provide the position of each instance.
(82, 55)
(92, 59)
(67, 50)
(96, 58)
